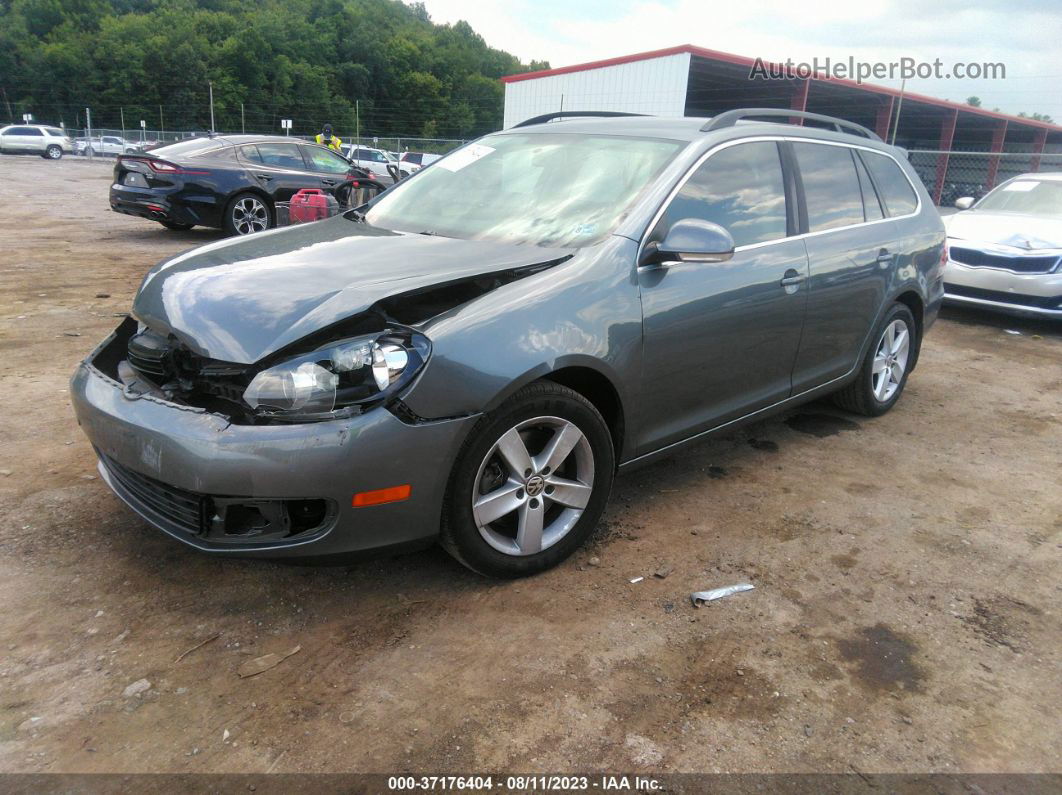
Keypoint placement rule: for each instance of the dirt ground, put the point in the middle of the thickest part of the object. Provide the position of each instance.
(905, 616)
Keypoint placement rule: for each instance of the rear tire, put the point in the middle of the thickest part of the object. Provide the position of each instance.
(502, 522)
(53, 152)
(248, 213)
(176, 227)
(886, 365)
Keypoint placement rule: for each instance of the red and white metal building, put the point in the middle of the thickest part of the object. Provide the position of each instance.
(694, 81)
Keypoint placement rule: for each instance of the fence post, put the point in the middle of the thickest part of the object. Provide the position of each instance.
(1038, 149)
(88, 132)
(947, 135)
(998, 134)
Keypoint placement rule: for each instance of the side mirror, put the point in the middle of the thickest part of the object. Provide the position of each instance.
(965, 203)
(694, 240)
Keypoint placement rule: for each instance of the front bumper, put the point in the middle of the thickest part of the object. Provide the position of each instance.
(1038, 294)
(201, 453)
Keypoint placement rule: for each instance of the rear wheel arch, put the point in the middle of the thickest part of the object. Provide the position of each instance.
(913, 301)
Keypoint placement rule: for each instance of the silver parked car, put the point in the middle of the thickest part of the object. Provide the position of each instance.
(1005, 251)
(105, 145)
(471, 356)
(39, 139)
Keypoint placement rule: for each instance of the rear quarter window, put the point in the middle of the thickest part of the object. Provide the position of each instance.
(894, 188)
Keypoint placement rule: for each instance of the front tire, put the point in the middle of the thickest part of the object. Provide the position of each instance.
(53, 152)
(247, 213)
(886, 365)
(529, 484)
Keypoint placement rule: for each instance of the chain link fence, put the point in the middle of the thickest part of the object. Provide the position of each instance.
(132, 139)
(950, 175)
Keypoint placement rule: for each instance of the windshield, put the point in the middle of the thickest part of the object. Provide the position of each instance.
(561, 190)
(1027, 196)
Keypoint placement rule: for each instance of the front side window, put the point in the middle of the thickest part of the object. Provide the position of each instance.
(741, 189)
(548, 189)
(831, 186)
(326, 161)
(896, 192)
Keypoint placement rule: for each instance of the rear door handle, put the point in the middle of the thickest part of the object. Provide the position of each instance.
(792, 281)
(264, 176)
(885, 257)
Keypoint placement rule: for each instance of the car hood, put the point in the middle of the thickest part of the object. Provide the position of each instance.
(1026, 232)
(243, 299)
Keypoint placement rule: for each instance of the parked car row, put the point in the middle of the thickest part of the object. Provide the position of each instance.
(105, 145)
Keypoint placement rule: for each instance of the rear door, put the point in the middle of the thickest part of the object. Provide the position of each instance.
(279, 168)
(720, 339)
(851, 251)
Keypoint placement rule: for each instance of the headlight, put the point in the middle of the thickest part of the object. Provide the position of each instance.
(337, 380)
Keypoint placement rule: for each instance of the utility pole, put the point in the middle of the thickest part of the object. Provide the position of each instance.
(899, 105)
(160, 122)
(357, 120)
(243, 121)
(88, 130)
(122, 112)
(10, 115)
(211, 84)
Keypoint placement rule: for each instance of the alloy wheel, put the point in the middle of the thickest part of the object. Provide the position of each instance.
(249, 215)
(890, 360)
(533, 485)
(54, 152)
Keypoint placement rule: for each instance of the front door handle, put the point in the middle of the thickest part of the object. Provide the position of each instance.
(328, 182)
(791, 280)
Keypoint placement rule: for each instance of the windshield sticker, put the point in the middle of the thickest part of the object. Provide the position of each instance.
(462, 157)
(584, 230)
(1021, 186)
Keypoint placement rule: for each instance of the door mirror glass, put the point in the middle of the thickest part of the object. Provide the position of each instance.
(694, 240)
(965, 203)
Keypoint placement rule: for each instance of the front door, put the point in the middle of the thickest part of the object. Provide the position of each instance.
(720, 339)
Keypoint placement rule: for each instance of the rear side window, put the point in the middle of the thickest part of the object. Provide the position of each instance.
(741, 189)
(282, 156)
(871, 206)
(250, 153)
(896, 192)
(831, 186)
(55, 131)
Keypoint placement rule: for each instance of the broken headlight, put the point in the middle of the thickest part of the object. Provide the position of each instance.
(339, 379)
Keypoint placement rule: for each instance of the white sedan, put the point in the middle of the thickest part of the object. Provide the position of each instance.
(1005, 251)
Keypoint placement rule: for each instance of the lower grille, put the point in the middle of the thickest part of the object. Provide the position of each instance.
(1018, 263)
(183, 508)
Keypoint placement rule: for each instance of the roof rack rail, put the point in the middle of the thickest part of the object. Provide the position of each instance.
(732, 117)
(564, 114)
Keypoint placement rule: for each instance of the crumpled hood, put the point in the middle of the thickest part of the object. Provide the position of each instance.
(241, 299)
(1024, 232)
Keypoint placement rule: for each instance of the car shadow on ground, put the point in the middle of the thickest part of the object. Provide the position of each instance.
(975, 316)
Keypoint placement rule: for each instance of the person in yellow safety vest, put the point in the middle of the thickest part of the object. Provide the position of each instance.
(325, 138)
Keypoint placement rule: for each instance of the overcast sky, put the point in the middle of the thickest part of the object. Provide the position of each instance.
(1025, 35)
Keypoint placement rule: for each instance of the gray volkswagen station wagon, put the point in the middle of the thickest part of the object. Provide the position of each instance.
(471, 356)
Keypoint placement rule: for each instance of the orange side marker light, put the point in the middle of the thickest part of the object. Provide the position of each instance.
(382, 496)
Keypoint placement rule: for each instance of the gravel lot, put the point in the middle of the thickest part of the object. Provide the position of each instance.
(905, 616)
